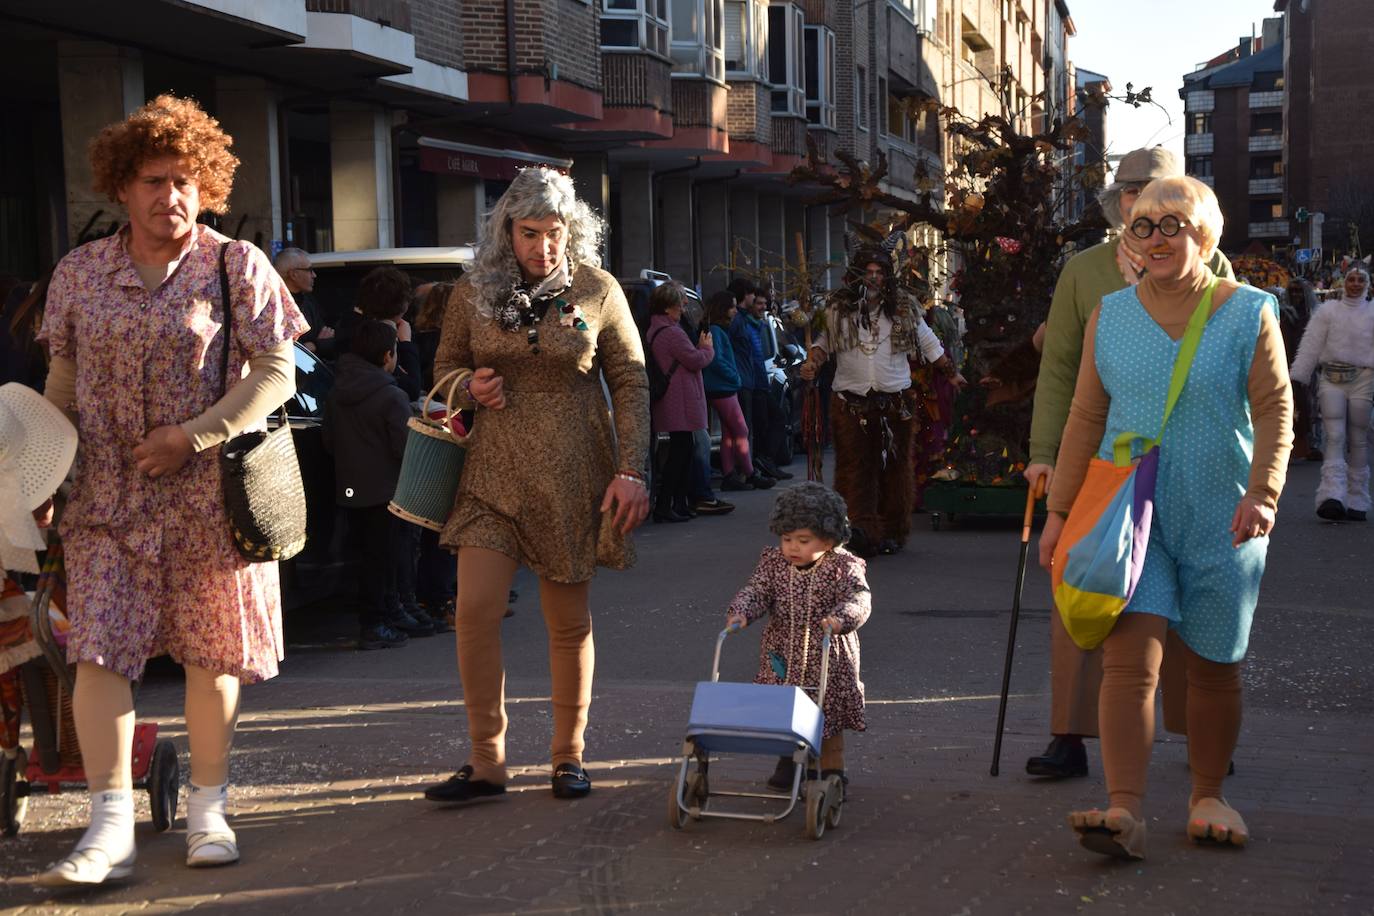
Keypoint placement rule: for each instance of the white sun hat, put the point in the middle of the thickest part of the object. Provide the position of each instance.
(37, 447)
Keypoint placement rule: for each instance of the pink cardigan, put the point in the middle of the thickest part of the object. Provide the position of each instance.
(683, 408)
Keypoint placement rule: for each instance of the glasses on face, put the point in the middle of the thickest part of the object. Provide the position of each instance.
(1143, 227)
(305, 270)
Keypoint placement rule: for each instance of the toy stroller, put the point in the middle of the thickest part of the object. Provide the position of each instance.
(765, 719)
(43, 685)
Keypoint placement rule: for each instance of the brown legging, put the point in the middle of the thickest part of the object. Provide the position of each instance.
(484, 580)
(1131, 658)
(103, 710)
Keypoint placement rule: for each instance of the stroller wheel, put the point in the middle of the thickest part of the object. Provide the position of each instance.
(677, 818)
(164, 785)
(835, 806)
(14, 792)
(816, 809)
(697, 791)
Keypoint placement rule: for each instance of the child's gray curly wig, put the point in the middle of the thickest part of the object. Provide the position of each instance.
(537, 192)
(814, 506)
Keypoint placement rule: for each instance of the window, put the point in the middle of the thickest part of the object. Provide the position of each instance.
(698, 38)
(861, 98)
(821, 84)
(1199, 166)
(882, 105)
(786, 64)
(743, 38)
(635, 25)
(1199, 123)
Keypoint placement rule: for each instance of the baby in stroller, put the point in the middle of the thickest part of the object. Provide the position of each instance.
(805, 585)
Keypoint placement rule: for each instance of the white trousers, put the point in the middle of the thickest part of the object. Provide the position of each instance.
(1346, 409)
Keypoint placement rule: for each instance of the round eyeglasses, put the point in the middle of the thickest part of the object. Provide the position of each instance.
(1168, 226)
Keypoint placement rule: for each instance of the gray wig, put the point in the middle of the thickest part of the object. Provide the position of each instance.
(811, 505)
(536, 193)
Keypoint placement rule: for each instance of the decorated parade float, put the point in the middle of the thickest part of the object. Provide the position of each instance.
(980, 248)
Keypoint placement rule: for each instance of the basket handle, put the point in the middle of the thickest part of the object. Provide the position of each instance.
(454, 378)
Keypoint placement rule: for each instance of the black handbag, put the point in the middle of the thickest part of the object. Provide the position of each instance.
(263, 492)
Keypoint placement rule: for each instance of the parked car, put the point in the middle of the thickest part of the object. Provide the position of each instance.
(314, 573)
(338, 273)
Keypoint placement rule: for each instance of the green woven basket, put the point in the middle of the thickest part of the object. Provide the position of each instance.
(433, 462)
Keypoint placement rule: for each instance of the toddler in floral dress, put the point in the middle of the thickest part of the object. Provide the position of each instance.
(805, 585)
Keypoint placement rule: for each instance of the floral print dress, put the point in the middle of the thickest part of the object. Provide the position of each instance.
(151, 566)
(797, 600)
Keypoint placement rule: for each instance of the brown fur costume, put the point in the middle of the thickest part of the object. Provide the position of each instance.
(879, 497)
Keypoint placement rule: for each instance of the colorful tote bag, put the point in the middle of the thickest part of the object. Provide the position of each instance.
(1101, 551)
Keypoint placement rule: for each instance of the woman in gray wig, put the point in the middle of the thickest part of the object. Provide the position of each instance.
(552, 481)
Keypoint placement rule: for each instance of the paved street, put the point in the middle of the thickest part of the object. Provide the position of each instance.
(330, 756)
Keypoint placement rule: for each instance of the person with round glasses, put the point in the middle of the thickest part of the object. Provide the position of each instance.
(1223, 458)
(1086, 278)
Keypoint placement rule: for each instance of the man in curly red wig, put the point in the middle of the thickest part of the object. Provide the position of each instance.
(136, 327)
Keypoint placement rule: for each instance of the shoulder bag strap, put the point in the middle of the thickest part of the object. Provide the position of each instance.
(228, 317)
(1183, 364)
(673, 366)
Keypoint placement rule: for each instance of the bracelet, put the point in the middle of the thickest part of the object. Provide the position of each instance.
(632, 478)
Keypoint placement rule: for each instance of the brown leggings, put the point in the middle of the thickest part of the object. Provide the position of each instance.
(1131, 658)
(484, 580)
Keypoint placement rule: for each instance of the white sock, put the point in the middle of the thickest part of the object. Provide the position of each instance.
(112, 825)
(205, 807)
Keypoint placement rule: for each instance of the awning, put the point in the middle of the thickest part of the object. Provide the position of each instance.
(447, 157)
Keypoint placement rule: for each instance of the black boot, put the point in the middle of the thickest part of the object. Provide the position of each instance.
(1064, 757)
(1331, 510)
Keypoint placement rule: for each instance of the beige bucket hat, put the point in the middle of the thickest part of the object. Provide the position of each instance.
(37, 447)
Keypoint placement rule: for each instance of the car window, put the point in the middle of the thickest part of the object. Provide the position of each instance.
(314, 379)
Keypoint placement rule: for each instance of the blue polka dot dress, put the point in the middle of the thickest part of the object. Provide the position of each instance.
(1192, 575)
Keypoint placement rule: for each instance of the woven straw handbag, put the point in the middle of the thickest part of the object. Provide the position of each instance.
(433, 462)
(263, 492)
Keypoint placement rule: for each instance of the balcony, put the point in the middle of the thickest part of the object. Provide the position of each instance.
(1207, 180)
(1277, 228)
(1199, 144)
(1202, 100)
(1266, 143)
(1267, 99)
(1266, 185)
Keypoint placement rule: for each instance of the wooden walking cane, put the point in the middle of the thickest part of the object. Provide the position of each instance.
(1033, 495)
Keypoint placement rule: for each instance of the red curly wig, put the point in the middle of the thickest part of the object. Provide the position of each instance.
(166, 126)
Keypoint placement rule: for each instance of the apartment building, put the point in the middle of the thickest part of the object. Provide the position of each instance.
(1329, 123)
(1233, 111)
(374, 123)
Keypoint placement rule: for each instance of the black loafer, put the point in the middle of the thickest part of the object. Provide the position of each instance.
(1355, 515)
(570, 781)
(887, 547)
(462, 789)
(1063, 758)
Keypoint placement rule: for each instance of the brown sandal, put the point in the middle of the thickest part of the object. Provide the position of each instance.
(1114, 832)
(1211, 820)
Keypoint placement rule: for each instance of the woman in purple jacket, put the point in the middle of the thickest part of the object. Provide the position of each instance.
(683, 408)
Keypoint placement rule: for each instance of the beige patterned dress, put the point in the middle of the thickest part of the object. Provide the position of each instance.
(538, 468)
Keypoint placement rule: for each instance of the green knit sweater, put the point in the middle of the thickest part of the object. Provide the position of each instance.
(1085, 279)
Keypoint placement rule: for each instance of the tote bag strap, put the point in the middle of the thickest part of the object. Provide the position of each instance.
(1183, 364)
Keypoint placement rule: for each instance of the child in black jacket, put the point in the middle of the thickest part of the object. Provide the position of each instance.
(365, 430)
